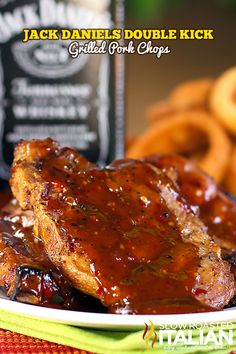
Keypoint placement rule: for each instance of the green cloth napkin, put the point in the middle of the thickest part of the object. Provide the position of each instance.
(101, 341)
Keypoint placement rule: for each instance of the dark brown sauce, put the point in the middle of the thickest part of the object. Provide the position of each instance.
(5, 196)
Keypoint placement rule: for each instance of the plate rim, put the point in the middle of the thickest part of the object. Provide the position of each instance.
(113, 321)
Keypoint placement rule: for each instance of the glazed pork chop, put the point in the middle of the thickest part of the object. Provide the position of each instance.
(26, 273)
(215, 209)
(123, 233)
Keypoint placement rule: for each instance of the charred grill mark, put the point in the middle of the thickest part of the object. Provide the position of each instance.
(39, 165)
(231, 258)
(28, 284)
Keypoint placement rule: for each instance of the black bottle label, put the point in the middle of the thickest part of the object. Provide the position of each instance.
(44, 92)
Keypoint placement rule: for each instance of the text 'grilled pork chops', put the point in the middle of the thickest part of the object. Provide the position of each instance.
(121, 233)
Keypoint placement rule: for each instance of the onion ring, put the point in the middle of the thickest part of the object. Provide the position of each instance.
(192, 94)
(188, 95)
(222, 99)
(159, 110)
(230, 176)
(194, 134)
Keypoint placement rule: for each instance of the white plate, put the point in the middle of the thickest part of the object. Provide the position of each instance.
(113, 322)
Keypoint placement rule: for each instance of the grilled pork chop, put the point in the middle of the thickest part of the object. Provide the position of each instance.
(123, 233)
(26, 274)
(217, 211)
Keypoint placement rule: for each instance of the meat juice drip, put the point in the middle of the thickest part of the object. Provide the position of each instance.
(143, 265)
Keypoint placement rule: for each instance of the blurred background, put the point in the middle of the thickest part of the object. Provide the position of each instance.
(149, 79)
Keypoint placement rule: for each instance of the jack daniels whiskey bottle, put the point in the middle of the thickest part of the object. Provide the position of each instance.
(44, 92)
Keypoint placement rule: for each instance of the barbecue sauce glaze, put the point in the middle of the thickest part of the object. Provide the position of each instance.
(131, 239)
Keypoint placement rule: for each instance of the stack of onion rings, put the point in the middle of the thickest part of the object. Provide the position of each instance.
(198, 121)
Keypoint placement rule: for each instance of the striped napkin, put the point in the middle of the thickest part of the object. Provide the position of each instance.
(207, 340)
